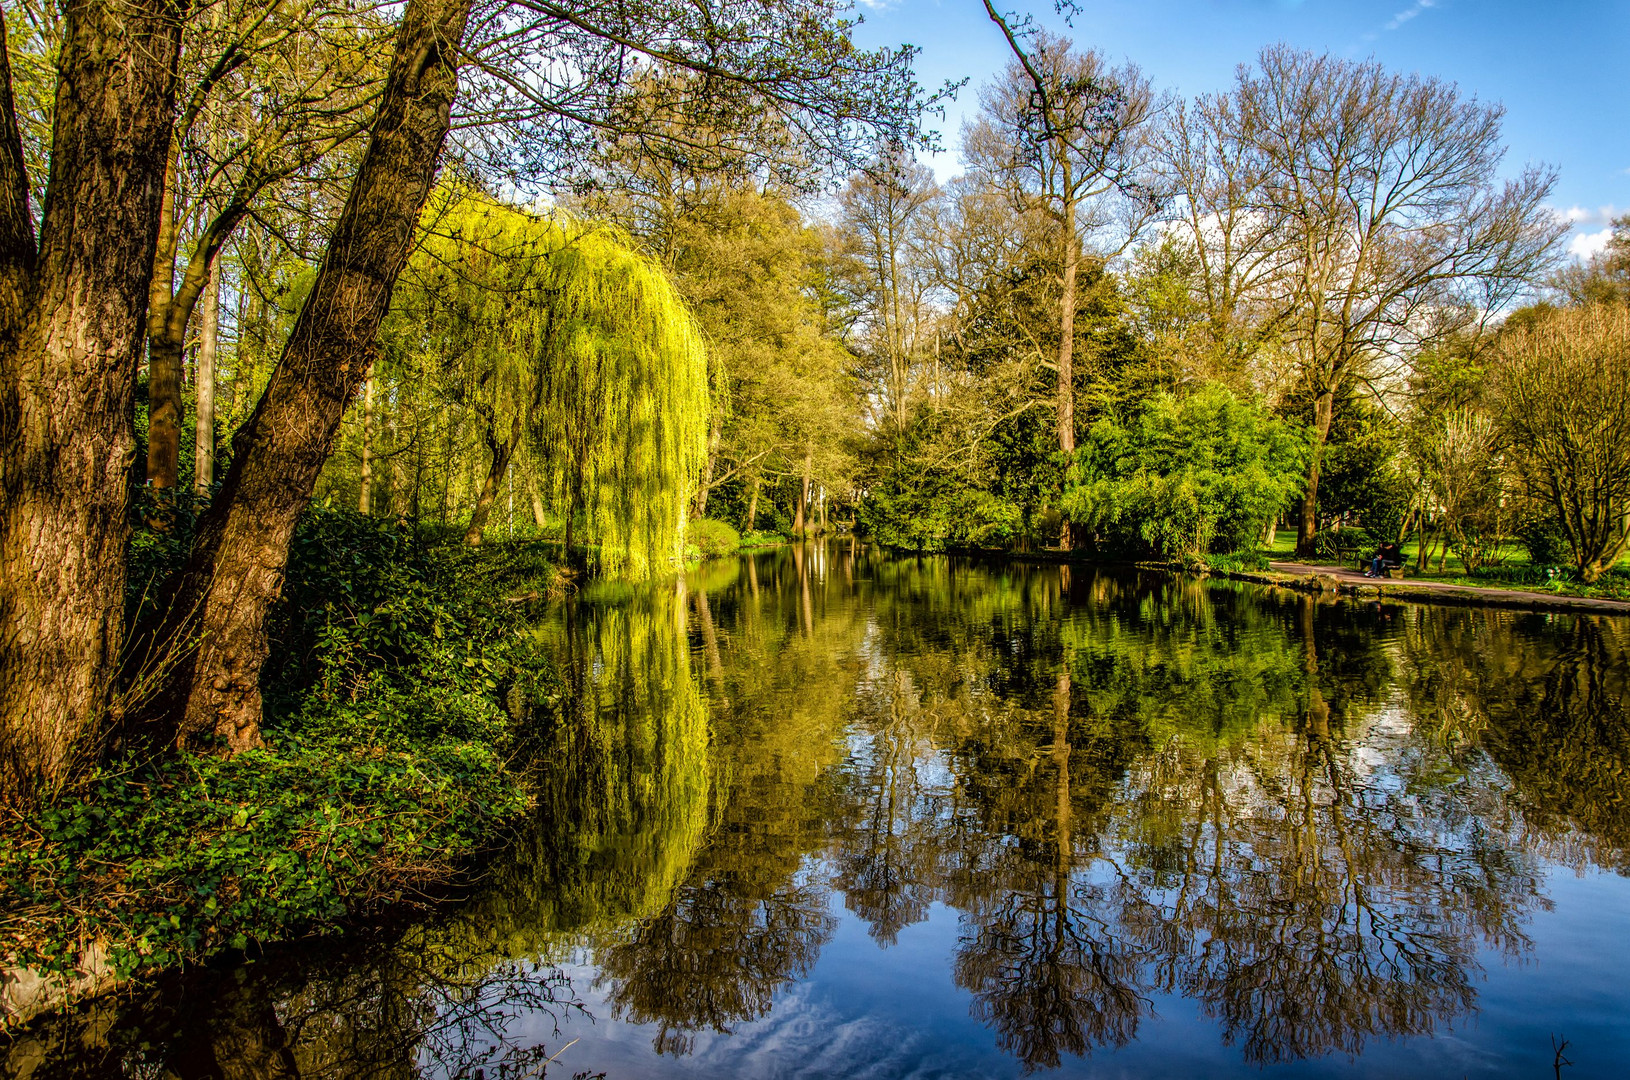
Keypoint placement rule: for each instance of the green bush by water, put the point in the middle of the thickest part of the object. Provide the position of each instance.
(712, 537)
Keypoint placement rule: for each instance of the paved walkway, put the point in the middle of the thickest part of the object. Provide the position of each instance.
(1410, 588)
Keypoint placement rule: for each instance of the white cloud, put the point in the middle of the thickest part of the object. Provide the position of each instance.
(1579, 215)
(1409, 13)
(1585, 245)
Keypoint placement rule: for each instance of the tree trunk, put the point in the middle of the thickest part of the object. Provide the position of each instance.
(752, 503)
(365, 478)
(164, 405)
(235, 573)
(203, 468)
(707, 469)
(501, 450)
(803, 499)
(71, 315)
(1323, 415)
(1066, 352)
(539, 518)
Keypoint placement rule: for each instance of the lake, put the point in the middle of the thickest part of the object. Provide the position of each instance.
(821, 812)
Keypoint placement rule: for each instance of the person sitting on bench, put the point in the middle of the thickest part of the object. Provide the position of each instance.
(1386, 557)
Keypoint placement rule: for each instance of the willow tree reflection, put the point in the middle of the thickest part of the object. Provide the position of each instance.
(752, 914)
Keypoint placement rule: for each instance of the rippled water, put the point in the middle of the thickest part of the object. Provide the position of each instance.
(825, 813)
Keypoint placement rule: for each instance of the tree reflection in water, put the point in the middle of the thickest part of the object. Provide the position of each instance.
(1308, 818)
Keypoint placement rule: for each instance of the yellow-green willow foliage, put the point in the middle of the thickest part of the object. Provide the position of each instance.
(626, 792)
(559, 335)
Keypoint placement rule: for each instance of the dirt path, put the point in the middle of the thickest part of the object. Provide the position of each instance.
(1414, 589)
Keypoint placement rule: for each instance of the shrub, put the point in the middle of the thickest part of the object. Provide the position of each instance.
(762, 539)
(1541, 536)
(1189, 474)
(1235, 562)
(713, 537)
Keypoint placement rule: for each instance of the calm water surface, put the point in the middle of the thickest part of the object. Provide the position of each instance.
(826, 813)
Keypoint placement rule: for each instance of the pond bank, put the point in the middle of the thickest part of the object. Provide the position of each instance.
(1350, 582)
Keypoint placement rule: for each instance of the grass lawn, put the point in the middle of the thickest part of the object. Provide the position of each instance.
(1514, 570)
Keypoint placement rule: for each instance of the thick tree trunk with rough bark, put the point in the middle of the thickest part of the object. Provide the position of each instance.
(213, 696)
(71, 317)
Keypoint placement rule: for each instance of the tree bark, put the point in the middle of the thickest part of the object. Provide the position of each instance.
(365, 477)
(803, 499)
(501, 450)
(203, 470)
(707, 469)
(1323, 416)
(164, 404)
(752, 503)
(71, 315)
(1066, 350)
(213, 696)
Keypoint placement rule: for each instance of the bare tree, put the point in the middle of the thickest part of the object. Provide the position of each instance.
(271, 89)
(1564, 390)
(884, 211)
(1376, 194)
(1067, 135)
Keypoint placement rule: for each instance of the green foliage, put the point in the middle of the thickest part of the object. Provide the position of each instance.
(560, 331)
(906, 513)
(1542, 537)
(1193, 474)
(399, 668)
(167, 863)
(1237, 562)
(713, 537)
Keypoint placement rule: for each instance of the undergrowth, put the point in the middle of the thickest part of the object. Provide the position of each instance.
(399, 671)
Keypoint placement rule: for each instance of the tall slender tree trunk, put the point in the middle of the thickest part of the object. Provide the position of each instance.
(752, 502)
(1066, 347)
(501, 450)
(209, 333)
(71, 313)
(1308, 525)
(803, 498)
(235, 573)
(164, 405)
(706, 485)
(539, 517)
(365, 478)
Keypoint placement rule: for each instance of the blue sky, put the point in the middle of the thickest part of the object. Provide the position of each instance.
(1558, 66)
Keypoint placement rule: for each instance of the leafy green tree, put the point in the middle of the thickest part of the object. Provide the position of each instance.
(1186, 474)
(1064, 134)
(557, 334)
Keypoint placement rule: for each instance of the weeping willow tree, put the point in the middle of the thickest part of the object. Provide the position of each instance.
(564, 342)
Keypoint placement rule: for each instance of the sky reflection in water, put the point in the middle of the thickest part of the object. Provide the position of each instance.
(826, 813)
